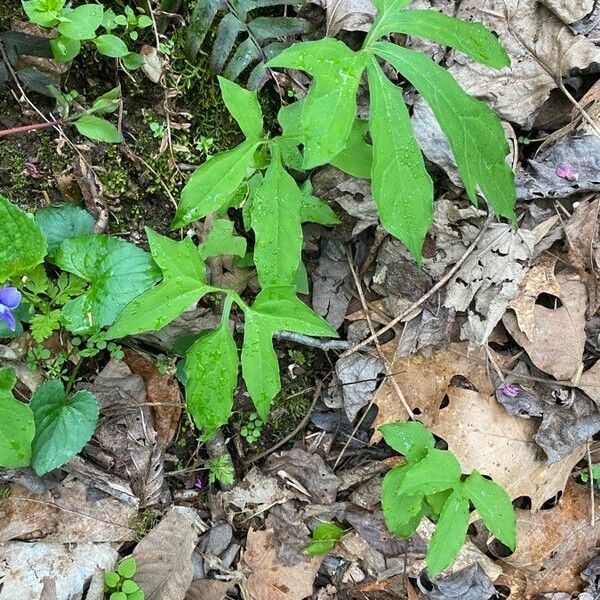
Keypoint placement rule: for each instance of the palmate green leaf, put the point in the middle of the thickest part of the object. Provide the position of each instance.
(402, 188)
(474, 132)
(22, 244)
(211, 368)
(438, 471)
(356, 158)
(117, 272)
(410, 438)
(17, 427)
(222, 241)
(494, 507)
(449, 534)
(213, 184)
(183, 284)
(473, 39)
(244, 108)
(59, 223)
(63, 426)
(336, 70)
(275, 216)
(402, 512)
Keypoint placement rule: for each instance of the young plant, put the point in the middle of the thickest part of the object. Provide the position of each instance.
(120, 585)
(324, 538)
(431, 484)
(81, 24)
(325, 121)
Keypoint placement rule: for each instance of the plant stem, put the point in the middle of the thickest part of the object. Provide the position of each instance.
(71, 381)
(28, 128)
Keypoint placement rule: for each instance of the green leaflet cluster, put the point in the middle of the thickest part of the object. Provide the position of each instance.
(430, 483)
(326, 124)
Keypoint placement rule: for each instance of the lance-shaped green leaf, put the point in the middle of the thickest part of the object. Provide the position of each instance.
(244, 108)
(474, 132)
(386, 10)
(213, 184)
(182, 286)
(117, 272)
(356, 158)
(494, 507)
(449, 534)
(211, 369)
(260, 367)
(63, 426)
(402, 188)
(315, 210)
(402, 512)
(22, 245)
(473, 39)
(438, 471)
(275, 215)
(336, 71)
(17, 427)
(222, 241)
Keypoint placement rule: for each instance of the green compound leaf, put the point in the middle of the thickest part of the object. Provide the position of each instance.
(213, 184)
(260, 367)
(81, 23)
(281, 310)
(402, 188)
(474, 132)
(22, 245)
(325, 537)
(449, 534)
(59, 223)
(182, 286)
(473, 39)
(494, 507)
(402, 513)
(17, 427)
(356, 158)
(111, 46)
(438, 471)
(410, 438)
(63, 426)
(244, 108)
(222, 241)
(275, 214)
(98, 129)
(336, 70)
(315, 210)
(211, 368)
(117, 272)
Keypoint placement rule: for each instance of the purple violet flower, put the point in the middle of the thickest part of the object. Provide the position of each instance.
(10, 298)
(511, 390)
(567, 172)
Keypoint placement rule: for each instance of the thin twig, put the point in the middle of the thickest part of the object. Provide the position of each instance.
(592, 495)
(440, 284)
(298, 428)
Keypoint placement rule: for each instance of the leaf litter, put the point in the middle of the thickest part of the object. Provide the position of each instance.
(501, 362)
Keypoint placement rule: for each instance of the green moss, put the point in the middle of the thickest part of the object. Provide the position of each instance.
(143, 522)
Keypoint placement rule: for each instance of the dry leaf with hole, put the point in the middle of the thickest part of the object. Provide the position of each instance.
(557, 337)
(584, 249)
(542, 48)
(164, 556)
(424, 380)
(485, 437)
(268, 579)
(554, 545)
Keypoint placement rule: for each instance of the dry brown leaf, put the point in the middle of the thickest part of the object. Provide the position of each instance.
(351, 15)
(570, 11)
(163, 395)
(557, 340)
(424, 381)
(208, 589)
(268, 578)
(584, 249)
(553, 546)
(539, 279)
(542, 48)
(589, 382)
(68, 514)
(485, 437)
(164, 556)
